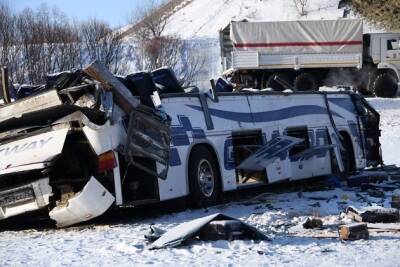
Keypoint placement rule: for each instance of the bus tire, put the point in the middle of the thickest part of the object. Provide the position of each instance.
(204, 178)
(305, 82)
(385, 85)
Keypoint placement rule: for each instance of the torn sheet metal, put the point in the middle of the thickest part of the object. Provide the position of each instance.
(47, 117)
(149, 136)
(373, 214)
(265, 155)
(335, 141)
(91, 202)
(37, 102)
(122, 95)
(178, 235)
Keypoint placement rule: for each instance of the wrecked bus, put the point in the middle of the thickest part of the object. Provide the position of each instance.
(87, 141)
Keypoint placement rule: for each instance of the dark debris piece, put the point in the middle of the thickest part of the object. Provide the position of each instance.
(312, 223)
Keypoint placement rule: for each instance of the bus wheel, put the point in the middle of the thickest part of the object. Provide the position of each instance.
(204, 178)
(305, 82)
(385, 85)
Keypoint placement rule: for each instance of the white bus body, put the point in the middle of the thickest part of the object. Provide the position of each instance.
(230, 132)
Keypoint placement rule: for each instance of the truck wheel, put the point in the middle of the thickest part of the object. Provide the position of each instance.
(204, 178)
(305, 82)
(275, 85)
(385, 85)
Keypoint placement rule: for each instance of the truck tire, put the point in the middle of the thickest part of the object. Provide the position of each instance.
(274, 85)
(204, 178)
(305, 82)
(385, 85)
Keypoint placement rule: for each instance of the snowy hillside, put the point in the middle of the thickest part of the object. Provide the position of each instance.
(203, 18)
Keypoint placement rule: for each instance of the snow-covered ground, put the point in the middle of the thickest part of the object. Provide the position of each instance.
(204, 18)
(277, 215)
(390, 125)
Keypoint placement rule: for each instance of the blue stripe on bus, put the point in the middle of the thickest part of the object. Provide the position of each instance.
(267, 116)
(344, 103)
(180, 136)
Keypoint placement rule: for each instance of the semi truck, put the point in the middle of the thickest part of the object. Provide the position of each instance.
(305, 55)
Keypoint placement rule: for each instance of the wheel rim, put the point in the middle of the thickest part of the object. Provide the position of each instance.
(205, 177)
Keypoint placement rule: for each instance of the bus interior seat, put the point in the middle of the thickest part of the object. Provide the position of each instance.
(141, 84)
(166, 81)
(223, 85)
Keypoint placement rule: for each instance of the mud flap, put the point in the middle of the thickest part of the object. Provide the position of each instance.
(91, 202)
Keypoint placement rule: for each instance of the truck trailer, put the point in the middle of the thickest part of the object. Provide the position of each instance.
(305, 55)
(88, 141)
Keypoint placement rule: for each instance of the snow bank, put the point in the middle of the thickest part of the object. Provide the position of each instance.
(279, 216)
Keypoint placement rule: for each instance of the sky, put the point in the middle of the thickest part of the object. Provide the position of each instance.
(115, 12)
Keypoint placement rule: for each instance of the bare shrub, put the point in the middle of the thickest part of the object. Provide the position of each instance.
(301, 7)
(35, 42)
(154, 48)
(101, 43)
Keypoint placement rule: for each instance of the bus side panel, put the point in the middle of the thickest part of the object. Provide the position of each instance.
(273, 114)
(188, 128)
(348, 122)
(279, 113)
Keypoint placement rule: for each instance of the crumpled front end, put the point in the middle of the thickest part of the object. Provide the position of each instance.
(54, 170)
(59, 148)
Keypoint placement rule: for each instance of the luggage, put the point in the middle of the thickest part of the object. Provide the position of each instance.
(168, 81)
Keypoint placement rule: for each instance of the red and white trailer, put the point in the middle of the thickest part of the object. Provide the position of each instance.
(304, 55)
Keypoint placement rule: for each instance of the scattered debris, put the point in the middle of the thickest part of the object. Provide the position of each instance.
(366, 177)
(353, 231)
(312, 222)
(384, 227)
(374, 215)
(213, 227)
(154, 234)
(375, 186)
(222, 230)
(375, 193)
